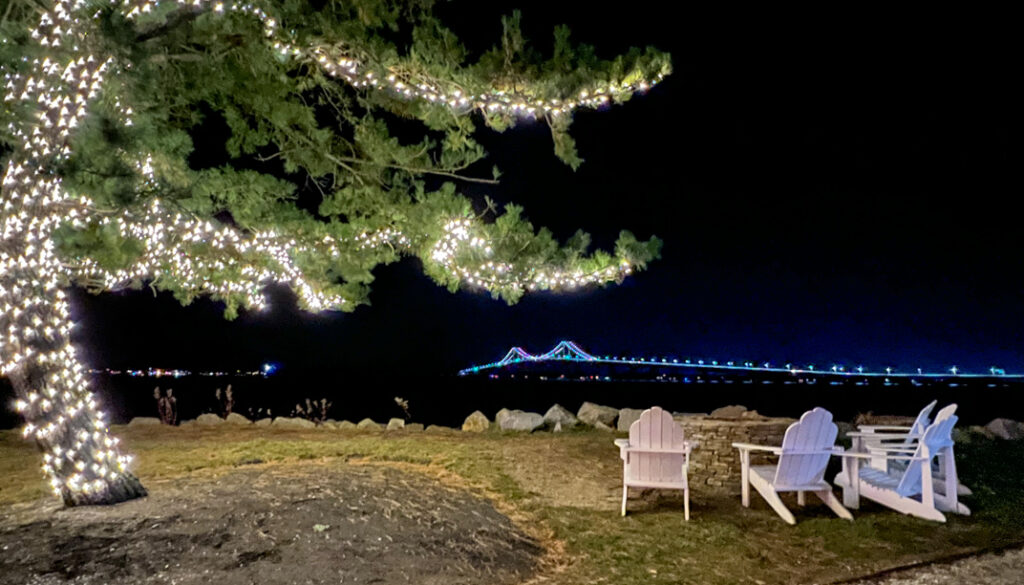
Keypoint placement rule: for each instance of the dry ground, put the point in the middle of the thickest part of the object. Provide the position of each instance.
(230, 504)
(273, 524)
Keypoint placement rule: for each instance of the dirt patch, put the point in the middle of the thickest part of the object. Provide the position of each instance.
(304, 524)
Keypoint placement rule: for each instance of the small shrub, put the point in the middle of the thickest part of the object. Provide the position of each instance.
(166, 406)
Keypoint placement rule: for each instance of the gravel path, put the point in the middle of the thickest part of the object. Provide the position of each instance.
(1002, 568)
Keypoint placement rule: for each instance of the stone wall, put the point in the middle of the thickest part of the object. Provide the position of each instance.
(715, 463)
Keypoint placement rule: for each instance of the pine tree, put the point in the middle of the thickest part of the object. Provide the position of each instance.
(332, 135)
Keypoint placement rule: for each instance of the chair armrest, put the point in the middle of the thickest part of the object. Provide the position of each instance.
(890, 436)
(682, 451)
(858, 455)
(752, 447)
(620, 443)
(870, 428)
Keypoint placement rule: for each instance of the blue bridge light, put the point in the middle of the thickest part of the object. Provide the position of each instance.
(569, 351)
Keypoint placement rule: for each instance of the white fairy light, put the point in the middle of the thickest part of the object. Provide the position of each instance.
(81, 459)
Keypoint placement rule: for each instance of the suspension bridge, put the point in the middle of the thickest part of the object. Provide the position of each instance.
(567, 353)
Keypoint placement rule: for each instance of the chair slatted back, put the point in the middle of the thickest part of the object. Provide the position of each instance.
(937, 436)
(921, 422)
(656, 429)
(814, 432)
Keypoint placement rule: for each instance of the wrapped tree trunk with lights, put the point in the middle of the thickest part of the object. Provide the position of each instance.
(103, 101)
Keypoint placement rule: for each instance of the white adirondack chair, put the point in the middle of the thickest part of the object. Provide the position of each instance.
(917, 427)
(803, 457)
(656, 455)
(913, 490)
(870, 435)
(880, 441)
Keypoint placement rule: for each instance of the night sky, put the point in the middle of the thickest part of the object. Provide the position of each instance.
(830, 188)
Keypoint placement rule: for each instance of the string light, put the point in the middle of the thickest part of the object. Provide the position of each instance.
(81, 459)
(570, 351)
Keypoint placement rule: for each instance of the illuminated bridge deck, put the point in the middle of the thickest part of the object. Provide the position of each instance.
(567, 361)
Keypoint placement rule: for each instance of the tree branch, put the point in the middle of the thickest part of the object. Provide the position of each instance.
(426, 171)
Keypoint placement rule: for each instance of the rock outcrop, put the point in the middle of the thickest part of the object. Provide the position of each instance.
(628, 416)
(560, 418)
(368, 423)
(476, 423)
(592, 414)
(517, 420)
(729, 412)
(236, 419)
(1005, 428)
(208, 419)
(285, 422)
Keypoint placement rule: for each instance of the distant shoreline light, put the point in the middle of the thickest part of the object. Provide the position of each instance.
(165, 373)
(570, 351)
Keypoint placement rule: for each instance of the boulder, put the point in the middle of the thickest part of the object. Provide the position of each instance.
(557, 428)
(559, 417)
(236, 419)
(396, 424)
(263, 422)
(329, 425)
(476, 423)
(871, 418)
(603, 427)
(293, 423)
(628, 416)
(1005, 428)
(187, 423)
(208, 419)
(414, 427)
(518, 420)
(732, 411)
(144, 421)
(752, 415)
(501, 416)
(347, 424)
(437, 429)
(592, 414)
(368, 423)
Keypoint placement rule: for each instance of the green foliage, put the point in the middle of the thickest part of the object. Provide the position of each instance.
(236, 133)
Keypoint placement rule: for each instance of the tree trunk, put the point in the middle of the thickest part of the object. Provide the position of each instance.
(80, 457)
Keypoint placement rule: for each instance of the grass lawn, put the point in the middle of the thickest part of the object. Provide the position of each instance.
(564, 490)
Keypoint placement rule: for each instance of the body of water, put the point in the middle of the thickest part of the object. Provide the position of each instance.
(447, 401)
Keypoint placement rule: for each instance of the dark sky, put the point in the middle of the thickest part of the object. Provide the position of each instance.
(831, 188)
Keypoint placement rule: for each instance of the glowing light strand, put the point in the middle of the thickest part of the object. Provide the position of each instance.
(570, 351)
(81, 459)
(340, 64)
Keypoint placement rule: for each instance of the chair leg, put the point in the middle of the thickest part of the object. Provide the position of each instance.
(833, 503)
(686, 504)
(851, 483)
(801, 499)
(772, 497)
(625, 493)
(745, 478)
